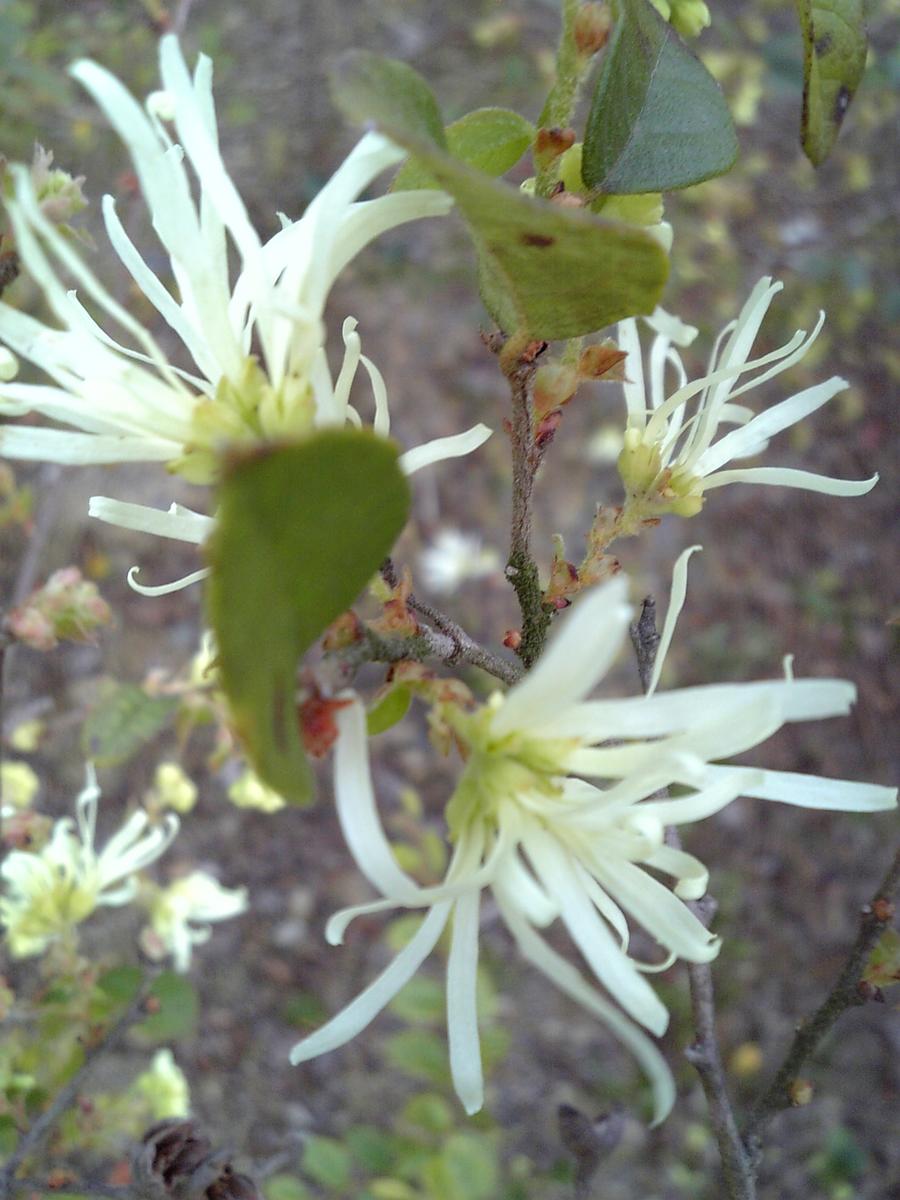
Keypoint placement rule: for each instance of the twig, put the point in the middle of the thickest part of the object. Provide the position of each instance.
(76, 1187)
(703, 1054)
(180, 19)
(875, 917)
(448, 642)
(428, 643)
(521, 568)
(589, 1142)
(67, 1094)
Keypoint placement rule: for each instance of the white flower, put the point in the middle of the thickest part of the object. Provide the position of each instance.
(249, 791)
(257, 342)
(164, 1087)
(180, 915)
(455, 557)
(528, 824)
(173, 788)
(672, 458)
(18, 786)
(48, 893)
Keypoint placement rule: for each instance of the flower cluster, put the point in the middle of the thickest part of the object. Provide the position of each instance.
(558, 812)
(670, 460)
(48, 893)
(130, 403)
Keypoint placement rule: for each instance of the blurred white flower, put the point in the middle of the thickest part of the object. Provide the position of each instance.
(18, 786)
(454, 558)
(181, 914)
(129, 402)
(164, 1087)
(528, 824)
(249, 791)
(173, 788)
(672, 459)
(46, 894)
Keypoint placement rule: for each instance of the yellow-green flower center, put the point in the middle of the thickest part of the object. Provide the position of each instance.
(243, 411)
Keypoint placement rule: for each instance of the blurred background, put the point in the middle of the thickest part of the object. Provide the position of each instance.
(784, 571)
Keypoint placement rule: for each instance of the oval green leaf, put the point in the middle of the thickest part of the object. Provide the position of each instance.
(834, 59)
(301, 529)
(490, 139)
(658, 119)
(549, 271)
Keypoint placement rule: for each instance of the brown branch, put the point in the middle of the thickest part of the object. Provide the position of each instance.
(76, 1187)
(521, 568)
(66, 1096)
(703, 1053)
(874, 919)
(448, 642)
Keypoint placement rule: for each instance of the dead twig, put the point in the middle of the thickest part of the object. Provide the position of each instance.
(703, 1053)
(874, 919)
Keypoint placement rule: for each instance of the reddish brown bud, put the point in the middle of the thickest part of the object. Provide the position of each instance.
(592, 25)
(512, 639)
(603, 361)
(550, 144)
(546, 429)
(318, 727)
(344, 631)
(883, 910)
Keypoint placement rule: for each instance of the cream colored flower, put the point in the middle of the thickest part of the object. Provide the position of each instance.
(557, 813)
(454, 558)
(47, 894)
(249, 791)
(181, 915)
(164, 1087)
(173, 788)
(257, 340)
(671, 459)
(18, 786)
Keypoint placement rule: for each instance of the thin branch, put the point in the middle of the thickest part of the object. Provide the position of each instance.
(76, 1187)
(703, 1054)
(521, 568)
(875, 918)
(426, 644)
(67, 1094)
(448, 641)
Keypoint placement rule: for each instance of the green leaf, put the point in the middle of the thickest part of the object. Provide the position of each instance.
(883, 967)
(390, 93)
(422, 999)
(834, 59)
(120, 984)
(301, 529)
(430, 1112)
(472, 1164)
(490, 139)
(547, 271)
(176, 1014)
(327, 1161)
(124, 720)
(389, 710)
(285, 1187)
(372, 1149)
(658, 119)
(419, 1053)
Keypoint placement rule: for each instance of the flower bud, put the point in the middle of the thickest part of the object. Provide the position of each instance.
(592, 25)
(550, 144)
(555, 383)
(58, 193)
(66, 607)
